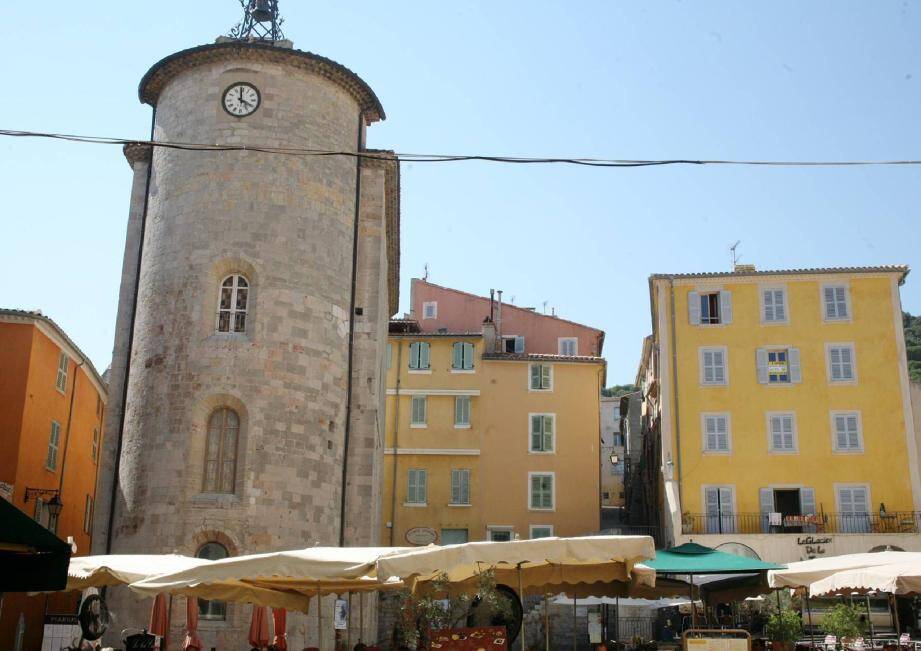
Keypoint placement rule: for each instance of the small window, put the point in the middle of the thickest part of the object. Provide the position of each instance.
(773, 305)
(541, 491)
(541, 377)
(847, 434)
(462, 411)
(418, 412)
(417, 488)
(454, 536)
(221, 451)
(462, 356)
(836, 302)
(499, 534)
(232, 304)
(713, 366)
(841, 363)
(541, 531)
(782, 431)
(716, 432)
(709, 308)
(419, 356)
(61, 381)
(88, 515)
(568, 346)
(94, 452)
(778, 365)
(212, 610)
(430, 310)
(542, 432)
(460, 486)
(54, 441)
(619, 440)
(513, 344)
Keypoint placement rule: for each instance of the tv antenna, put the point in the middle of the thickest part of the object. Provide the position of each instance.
(735, 257)
(261, 21)
(425, 276)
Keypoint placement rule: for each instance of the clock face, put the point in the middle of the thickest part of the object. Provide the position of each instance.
(241, 99)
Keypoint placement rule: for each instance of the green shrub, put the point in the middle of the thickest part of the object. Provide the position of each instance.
(784, 626)
(844, 621)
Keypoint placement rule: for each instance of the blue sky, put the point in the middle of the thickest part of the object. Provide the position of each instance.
(757, 80)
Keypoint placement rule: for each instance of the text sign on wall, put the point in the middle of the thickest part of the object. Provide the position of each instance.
(421, 536)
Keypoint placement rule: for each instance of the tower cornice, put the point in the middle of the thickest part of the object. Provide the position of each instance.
(164, 70)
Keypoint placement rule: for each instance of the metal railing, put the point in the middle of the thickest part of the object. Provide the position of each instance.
(822, 523)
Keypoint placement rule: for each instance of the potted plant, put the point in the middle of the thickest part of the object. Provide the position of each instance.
(783, 628)
(687, 523)
(844, 622)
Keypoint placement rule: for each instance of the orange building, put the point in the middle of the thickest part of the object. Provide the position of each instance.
(52, 402)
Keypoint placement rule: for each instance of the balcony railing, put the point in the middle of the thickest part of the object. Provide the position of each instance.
(822, 523)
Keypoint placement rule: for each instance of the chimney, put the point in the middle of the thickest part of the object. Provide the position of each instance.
(489, 336)
(498, 341)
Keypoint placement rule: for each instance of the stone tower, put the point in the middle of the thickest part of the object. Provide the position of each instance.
(252, 283)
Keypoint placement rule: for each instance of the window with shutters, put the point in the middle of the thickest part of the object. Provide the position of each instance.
(419, 352)
(782, 507)
(462, 412)
(208, 609)
(540, 531)
(88, 515)
(418, 411)
(716, 435)
(568, 346)
(782, 432)
(94, 450)
(719, 502)
(513, 344)
(773, 305)
(853, 508)
(417, 489)
(840, 360)
(713, 366)
(233, 301)
(836, 302)
(460, 487)
(54, 442)
(430, 310)
(710, 308)
(462, 356)
(542, 437)
(846, 431)
(778, 365)
(61, 381)
(541, 493)
(221, 451)
(541, 377)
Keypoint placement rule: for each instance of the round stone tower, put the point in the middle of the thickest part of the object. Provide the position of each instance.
(253, 283)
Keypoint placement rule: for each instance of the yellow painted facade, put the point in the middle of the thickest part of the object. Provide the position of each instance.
(495, 448)
(760, 458)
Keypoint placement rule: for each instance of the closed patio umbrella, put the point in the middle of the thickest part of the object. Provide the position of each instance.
(192, 642)
(280, 616)
(259, 628)
(159, 620)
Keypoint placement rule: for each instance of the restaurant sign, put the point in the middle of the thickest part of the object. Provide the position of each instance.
(421, 536)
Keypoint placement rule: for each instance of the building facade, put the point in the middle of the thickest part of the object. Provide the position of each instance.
(780, 403)
(252, 320)
(52, 408)
(486, 445)
(613, 454)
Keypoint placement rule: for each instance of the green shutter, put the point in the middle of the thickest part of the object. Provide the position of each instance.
(457, 356)
(423, 355)
(544, 376)
(536, 435)
(535, 376)
(548, 433)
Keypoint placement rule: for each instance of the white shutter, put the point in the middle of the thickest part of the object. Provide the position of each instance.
(807, 501)
(719, 367)
(545, 376)
(722, 435)
(548, 434)
(847, 364)
(519, 344)
(693, 308)
(710, 422)
(713, 500)
(725, 307)
(761, 365)
(796, 373)
(834, 360)
(766, 504)
(535, 376)
(829, 296)
(423, 355)
(780, 305)
(841, 431)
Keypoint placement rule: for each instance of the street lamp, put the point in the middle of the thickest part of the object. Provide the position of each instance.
(614, 459)
(54, 506)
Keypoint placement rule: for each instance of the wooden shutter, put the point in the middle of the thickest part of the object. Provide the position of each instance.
(766, 505)
(414, 355)
(423, 355)
(535, 376)
(467, 349)
(548, 434)
(761, 365)
(536, 433)
(519, 344)
(725, 307)
(545, 376)
(457, 356)
(796, 373)
(780, 305)
(807, 501)
(693, 308)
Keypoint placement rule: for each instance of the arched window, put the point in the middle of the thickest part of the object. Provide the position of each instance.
(231, 316)
(212, 551)
(221, 451)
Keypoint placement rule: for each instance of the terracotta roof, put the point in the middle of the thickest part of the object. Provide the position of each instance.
(30, 315)
(540, 357)
(894, 268)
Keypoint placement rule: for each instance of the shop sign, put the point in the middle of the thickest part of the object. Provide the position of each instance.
(474, 639)
(6, 491)
(60, 632)
(421, 536)
(813, 546)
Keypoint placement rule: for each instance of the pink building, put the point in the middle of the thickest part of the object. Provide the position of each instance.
(522, 330)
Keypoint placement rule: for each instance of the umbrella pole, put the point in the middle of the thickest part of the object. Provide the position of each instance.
(169, 621)
(574, 645)
(521, 596)
(361, 616)
(693, 604)
(616, 619)
(348, 624)
(319, 619)
(546, 622)
(809, 615)
(894, 606)
(869, 620)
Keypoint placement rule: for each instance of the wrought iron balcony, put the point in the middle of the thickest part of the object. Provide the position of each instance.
(821, 523)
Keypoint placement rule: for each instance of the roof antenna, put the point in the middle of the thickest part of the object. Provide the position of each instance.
(735, 257)
(425, 276)
(545, 306)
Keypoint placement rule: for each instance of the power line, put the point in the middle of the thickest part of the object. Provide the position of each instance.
(445, 158)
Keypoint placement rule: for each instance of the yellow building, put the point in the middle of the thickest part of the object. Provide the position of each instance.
(781, 402)
(488, 446)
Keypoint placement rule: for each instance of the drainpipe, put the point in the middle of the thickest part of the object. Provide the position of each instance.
(130, 347)
(499, 347)
(70, 418)
(674, 346)
(351, 353)
(396, 444)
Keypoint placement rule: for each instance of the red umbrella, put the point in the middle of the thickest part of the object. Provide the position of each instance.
(159, 619)
(280, 615)
(192, 642)
(259, 627)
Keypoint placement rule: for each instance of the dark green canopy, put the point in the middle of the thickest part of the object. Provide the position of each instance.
(691, 558)
(32, 559)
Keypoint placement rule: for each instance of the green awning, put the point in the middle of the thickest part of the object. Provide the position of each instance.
(32, 559)
(691, 558)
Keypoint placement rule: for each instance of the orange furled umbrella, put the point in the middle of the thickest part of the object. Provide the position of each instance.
(259, 628)
(159, 620)
(192, 642)
(280, 615)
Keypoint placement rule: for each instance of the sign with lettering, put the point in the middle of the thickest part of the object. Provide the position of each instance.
(812, 545)
(421, 536)
(140, 642)
(474, 639)
(60, 632)
(6, 491)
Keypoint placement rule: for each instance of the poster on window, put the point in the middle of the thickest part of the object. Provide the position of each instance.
(341, 615)
(60, 632)
(474, 639)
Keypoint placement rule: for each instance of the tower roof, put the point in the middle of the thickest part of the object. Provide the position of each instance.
(161, 72)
